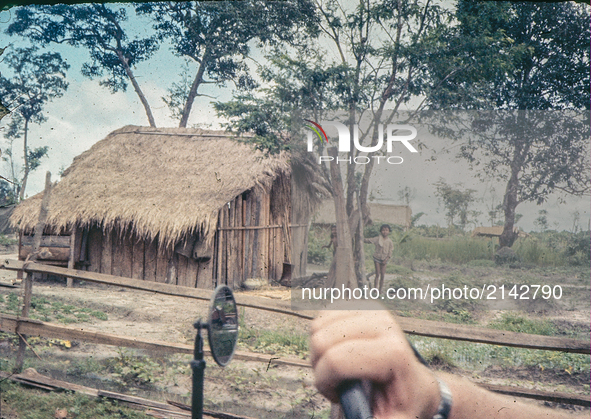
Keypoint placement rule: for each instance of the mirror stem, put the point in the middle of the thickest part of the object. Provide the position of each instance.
(198, 367)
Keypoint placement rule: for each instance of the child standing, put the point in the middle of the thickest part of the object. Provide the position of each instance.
(382, 254)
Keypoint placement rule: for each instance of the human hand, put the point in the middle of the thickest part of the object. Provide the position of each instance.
(369, 345)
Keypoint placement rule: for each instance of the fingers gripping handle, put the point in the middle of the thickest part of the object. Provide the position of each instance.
(354, 401)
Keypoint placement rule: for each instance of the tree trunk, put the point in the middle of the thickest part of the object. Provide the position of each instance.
(510, 202)
(345, 275)
(137, 88)
(26, 157)
(193, 92)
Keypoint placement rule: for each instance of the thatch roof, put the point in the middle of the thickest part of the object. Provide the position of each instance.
(166, 182)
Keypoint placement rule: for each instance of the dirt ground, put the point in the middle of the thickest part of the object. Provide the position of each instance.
(247, 388)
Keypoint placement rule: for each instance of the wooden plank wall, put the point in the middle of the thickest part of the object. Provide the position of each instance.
(249, 243)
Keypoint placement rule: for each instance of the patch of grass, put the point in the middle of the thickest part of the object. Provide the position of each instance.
(45, 310)
(12, 303)
(478, 356)
(317, 238)
(134, 370)
(396, 269)
(455, 250)
(482, 263)
(84, 366)
(35, 404)
(515, 323)
(7, 241)
(99, 315)
(280, 341)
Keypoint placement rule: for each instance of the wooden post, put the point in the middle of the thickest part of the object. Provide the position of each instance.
(74, 235)
(28, 288)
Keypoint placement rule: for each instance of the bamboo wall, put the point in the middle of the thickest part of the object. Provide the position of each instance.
(251, 240)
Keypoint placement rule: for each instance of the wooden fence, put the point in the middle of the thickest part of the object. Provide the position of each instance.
(26, 326)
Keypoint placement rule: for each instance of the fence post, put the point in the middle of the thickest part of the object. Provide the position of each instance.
(28, 282)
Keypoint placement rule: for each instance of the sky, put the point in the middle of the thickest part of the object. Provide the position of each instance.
(88, 112)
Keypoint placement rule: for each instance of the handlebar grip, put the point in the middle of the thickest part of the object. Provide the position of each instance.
(354, 401)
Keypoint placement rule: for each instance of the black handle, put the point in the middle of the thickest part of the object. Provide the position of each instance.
(354, 401)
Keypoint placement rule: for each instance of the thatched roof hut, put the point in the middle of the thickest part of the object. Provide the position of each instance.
(166, 187)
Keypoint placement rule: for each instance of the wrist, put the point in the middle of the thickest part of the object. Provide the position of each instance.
(439, 399)
(430, 394)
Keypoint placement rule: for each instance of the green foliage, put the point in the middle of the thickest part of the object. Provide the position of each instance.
(134, 370)
(28, 403)
(46, 310)
(541, 249)
(515, 323)
(318, 237)
(35, 156)
(95, 27)
(455, 249)
(553, 248)
(519, 58)
(461, 309)
(578, 248)
(38, 79)
(7, 241)
(218, 37)
(12, 303)
(456, 201)
(474, 356)
(279, 341)
(3, 109)
(506, 256)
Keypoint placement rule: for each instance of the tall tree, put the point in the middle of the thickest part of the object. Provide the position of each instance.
(96, 27)
(456, 201)
(374, 63)
(217, 37)
(37, 79)
(524, 57)
(3, 109)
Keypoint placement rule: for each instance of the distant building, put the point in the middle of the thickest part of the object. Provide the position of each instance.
(391, 214)
(495, 231)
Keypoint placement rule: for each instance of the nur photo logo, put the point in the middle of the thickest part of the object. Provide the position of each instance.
(394, 133)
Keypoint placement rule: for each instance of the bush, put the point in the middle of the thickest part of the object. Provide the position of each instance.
(318, 237)
(506, 256)
(578, 249)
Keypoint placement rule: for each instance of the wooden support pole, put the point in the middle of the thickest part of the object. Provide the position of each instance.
(74, 235)
(28, 285)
